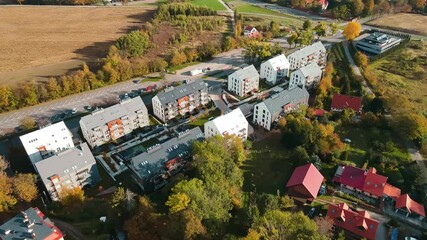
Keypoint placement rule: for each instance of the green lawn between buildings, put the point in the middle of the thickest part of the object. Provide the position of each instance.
(213, 4)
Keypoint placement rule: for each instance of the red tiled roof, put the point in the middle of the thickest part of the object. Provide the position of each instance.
(391, 191)
(359, 223)
(352, 176)
(374, 183)
(341, 102)
(306, 176)
(404, 201)
(319, 112)
(248, 28)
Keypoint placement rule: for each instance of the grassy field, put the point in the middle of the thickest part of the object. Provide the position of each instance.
(414, 23)
(214, 4)
(51, 35)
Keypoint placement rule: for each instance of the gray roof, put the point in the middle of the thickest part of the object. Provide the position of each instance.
(247, 108)
(246, 72)
(304, 52)
(79, 157)
(103, 116)
(42, 227)
(311, 69)
(181, 91)
(152, 161)
(276, 102)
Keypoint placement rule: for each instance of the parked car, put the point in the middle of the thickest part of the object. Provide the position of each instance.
(74, 111)
(311, 212)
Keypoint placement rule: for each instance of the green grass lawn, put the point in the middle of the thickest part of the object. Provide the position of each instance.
(179, 67)
(201, 121)
(213, 4)
(248, 8)
(268, 167)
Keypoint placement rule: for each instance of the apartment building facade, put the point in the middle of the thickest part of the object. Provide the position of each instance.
(271, 109)
(275, 69)
(180, 100)
(232, 123)
(308, 76)
(114, 122)
(304, 56)
(75, 167)
(243, 81)
(47, 141)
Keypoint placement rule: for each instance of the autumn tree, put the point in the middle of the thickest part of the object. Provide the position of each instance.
(275, 28)
(28, 123)
(307, 25)
(369, 7)
(71, 196)
(133, 44)
(357, 7)
(186, 225)
(325, 225)
(177, 58)
(24, 186)
(411, 125)
(4, 165)
(178, 202)
(352, 30)
(292, 39)
(361, 59)
(320, 29)
(7, 199)
(333, 27)
(7, 98)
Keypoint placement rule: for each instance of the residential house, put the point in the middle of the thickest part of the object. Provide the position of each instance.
(308, 76)
(114, 122)
(305, 183)
(251, 32)
(271, 109)
(341, 102)
(405, 205)
(391, 192)
(376, 43)
(304, 56)
(359, 224)
(47, 141)
(30, 224)
(75, 167)
(168, 157)
(180, 100)
(243, 81)
(275, 69)
(232, 123)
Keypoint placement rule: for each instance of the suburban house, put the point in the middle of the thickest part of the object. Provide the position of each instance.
(391, 192)
(47, 141)
(341, 102)
(243, 81)
(359, 224)
(275, 69)
(305, 183)
(250, 32)
(313, 53)
(376, 43)
(163, 159)
(180, 100)
(75, 167)
(405, 205)
(232, 123)
(114, 122)
(271, 109)
(30, 224)
(308, 76)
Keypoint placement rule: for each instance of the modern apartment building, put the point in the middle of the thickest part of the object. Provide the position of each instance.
(75, 167)
(304, 56)
(243, 81)
(232, 123)
(180, 100)
(308, 76)
(271, 109)
(377, 43)
(275, 69)
(30, 224)
(47, 141)
(114, 122)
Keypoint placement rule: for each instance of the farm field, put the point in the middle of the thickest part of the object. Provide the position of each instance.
(42, 37)
(214, 4)
(414, 23)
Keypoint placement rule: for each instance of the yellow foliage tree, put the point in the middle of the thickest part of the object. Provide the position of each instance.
(352, 30)
(24, 186)
(72, 196)
(178, 202)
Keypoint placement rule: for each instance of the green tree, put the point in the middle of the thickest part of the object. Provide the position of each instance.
(286, 202)
(292, 39)
(275, 28)
(352, 30)
(29, 96)
(361, 59)
(53, 88)
(118, 198)
(334, 27)
(187, 226)
(133, 44)
(307, 25)
(7, 200)
(24, 186)
(305, 37)
(321, 29)
(411, 125)
(357, 7)
(178, 202)
(341, 235)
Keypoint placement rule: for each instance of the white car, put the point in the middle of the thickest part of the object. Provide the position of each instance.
(74, 111)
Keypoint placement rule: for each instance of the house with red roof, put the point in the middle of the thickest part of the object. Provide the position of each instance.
(305, 183)
(405, 205)
(391, 191)
(357, 223)
(341, 102)
(250, 32)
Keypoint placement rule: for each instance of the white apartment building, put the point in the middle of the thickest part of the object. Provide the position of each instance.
(271, 109)
(232, 123)
(308, 76)
(114, 122)
(47, 141)
(275, 69)
(313, 53)
(180, 100)
(243, 81)
(75, 167)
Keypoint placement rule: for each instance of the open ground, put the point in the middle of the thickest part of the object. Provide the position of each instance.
(41, 41)
(414, 23)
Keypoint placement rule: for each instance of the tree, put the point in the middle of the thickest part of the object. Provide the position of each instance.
(334, 27)
(24, 186)
(72, 196)
(28, 94)
(178, 202)
(286, 202)
(228, 43)
(357, 7)
(320, 29)
(369, 7)
(307, 25)
(20, 1)
(292, 39)
(6, 98)
(4, 165)
(133, 44)
(326, 226)
(417, 5)
(177, 58)
(275, 28)
(118, 197)
(300, 156)
(352, 30)
(305, 37)
(186, 225)
(341, 235)
(340, 12)
(28, 123)
(7, 200)
(361, 59)
(124, 2)
(411, 125)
